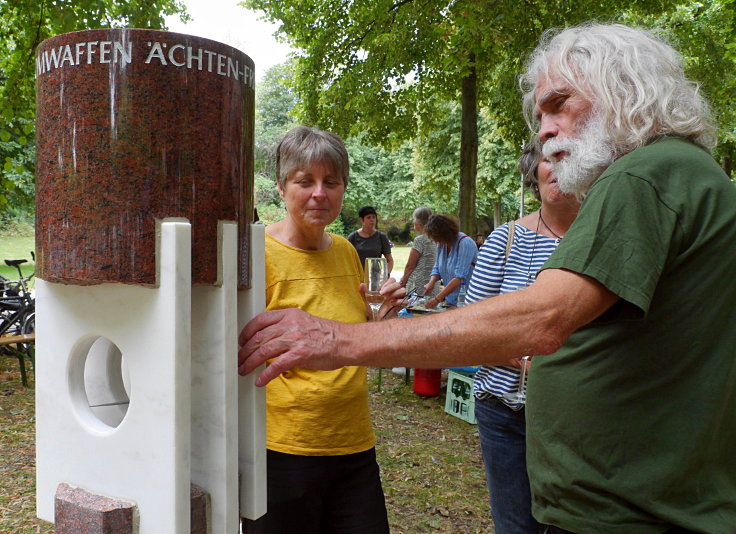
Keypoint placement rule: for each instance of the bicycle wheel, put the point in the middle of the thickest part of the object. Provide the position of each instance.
(11, 319)
(29, 323)
(29, 327)
(3, 285)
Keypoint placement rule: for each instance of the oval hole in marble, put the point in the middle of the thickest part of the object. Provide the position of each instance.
(99, 383)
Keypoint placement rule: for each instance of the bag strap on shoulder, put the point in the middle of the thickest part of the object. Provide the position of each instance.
(510, 239)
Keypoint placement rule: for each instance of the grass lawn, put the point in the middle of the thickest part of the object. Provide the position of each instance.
(18, 454)
(400, 256)
(430, 462)
(16, 248)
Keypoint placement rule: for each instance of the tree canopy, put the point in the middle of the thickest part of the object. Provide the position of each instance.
(705, 34)
(424, 91)
(388, 67)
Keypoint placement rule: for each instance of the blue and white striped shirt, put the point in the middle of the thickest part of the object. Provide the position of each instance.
(495, 275)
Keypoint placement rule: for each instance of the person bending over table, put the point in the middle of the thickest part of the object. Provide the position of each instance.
(422, 255)
(456, 255)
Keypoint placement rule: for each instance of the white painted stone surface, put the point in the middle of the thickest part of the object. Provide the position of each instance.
(147, 457)
(105, 382)
(137, 391)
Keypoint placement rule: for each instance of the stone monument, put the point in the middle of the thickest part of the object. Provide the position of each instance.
(149, 264)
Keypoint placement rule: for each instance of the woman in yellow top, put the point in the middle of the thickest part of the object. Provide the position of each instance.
(322, 470)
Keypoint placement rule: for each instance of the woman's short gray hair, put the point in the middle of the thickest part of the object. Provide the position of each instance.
(421, 215)
(635, 80)
(303, 146)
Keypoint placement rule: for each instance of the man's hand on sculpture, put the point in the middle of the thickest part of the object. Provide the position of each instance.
(290, 338)
(293, 338)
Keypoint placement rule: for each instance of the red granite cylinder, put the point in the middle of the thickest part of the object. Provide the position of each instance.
(135, 126)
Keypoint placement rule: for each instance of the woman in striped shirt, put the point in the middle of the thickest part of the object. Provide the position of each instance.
(508, 261)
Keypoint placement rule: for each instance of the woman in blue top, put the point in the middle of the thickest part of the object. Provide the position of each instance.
(501, 423)
(456, 255)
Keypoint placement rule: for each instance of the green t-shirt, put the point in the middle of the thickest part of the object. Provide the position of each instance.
(632, 423)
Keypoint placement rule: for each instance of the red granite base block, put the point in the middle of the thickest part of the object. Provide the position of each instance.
(78, 511)
(200, 510)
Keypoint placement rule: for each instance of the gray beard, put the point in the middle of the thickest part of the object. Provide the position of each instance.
(588, 156)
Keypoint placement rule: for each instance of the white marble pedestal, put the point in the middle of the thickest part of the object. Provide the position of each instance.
(137, 392)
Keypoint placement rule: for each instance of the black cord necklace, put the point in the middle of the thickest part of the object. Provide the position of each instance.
(547, 226)
(529, 278)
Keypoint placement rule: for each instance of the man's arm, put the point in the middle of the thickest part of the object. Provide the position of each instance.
(535, 321)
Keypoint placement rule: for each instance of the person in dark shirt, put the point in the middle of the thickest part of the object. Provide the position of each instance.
(368, 241)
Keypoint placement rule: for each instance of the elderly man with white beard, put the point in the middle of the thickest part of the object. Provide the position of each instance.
(631, 419)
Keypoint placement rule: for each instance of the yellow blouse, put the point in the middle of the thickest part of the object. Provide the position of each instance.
(317, 413)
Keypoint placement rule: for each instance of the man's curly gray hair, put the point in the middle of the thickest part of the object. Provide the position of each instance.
(634, 79)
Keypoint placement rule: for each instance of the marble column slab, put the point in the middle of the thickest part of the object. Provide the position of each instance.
(252, 399)
(214, 400)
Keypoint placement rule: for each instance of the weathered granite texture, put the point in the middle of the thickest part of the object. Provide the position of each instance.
(78, 511)
(200, 510)
(134, 126)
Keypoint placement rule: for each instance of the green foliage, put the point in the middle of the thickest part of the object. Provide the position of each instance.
(399, 234)
(386, 76)
(17, 156)
(423, 171)
(274, 104)
(15, 221)
(275, 101)
(385, 69)
(704, 33)
(275, 98)
(270, 213)
(266, 191)
(24, 24)
(338, 227)
(385, 66)
(437, 169)
(379, 178)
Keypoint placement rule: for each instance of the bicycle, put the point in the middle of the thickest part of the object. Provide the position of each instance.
(17, 317)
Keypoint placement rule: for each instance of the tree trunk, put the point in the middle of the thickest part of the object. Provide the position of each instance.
(496, 213)
(727, 160)
(468, 150)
